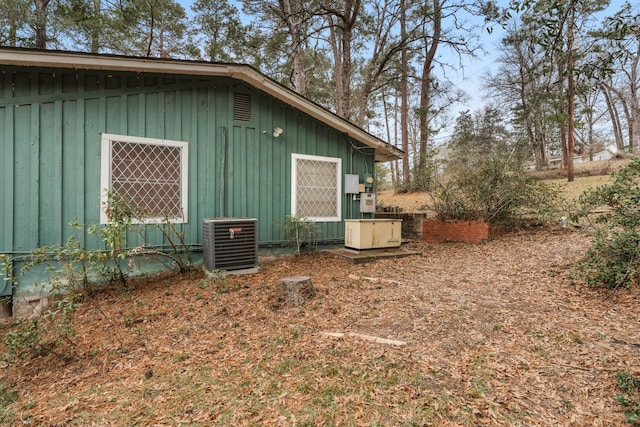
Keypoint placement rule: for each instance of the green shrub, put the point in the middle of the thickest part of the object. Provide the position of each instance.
(494, 190)
(630, 396)
(53, 333)
(7, 397)
(612, 214)
(483, 176)
(300, 233)
(26, 340)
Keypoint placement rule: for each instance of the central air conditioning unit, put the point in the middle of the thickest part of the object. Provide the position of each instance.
(230, 243)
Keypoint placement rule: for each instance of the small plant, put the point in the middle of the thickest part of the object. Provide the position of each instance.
(6, 270)
(74, 268)
(53, 333)
(216, 277)
(122, 214)
(7, 397)
(204, 283)
(54, 329)
(181, 357)
(300, 233)
(69, 264)
(26, 340)
(180, 253)
(630, 396)
(123, 217)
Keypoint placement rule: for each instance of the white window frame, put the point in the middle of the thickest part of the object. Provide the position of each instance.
(105, 172)
(294, 185)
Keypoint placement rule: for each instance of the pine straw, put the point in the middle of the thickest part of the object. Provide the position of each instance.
(497, 334)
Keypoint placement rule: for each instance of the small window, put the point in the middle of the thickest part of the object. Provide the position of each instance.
(316, 187)
(241, 107)
(152, 173)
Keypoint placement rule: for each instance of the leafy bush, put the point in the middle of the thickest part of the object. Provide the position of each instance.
(493, 191)
(483, 177)
(612, 213)
(53, 333)
(74, 268)
(25, 340)
(300, 233)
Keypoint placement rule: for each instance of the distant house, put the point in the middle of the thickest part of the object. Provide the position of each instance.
(607, 153)
(232, 142)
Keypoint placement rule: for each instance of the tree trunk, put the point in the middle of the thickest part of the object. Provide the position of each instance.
(404, 104)
(425, 89)
(571, 100)
(634, 124)
(41, 11)
(293, 19)
(540, 140)
(152, 24)
(95, 31)
(341, 24)
(614, 115)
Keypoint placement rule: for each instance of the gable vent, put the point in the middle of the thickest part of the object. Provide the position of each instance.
(242, 107)
(230, 243)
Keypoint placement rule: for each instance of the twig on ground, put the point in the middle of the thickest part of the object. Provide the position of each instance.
(371, 338)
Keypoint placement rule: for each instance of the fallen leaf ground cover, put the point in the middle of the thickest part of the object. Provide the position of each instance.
(496, 333)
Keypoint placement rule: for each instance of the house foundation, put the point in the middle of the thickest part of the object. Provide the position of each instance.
(29, 306)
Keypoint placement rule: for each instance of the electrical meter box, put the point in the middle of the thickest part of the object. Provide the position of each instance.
(368, 180)
(367, 202)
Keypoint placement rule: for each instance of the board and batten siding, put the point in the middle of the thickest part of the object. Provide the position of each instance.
(51, 123)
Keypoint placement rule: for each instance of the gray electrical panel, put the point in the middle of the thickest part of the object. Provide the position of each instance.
(351, 184)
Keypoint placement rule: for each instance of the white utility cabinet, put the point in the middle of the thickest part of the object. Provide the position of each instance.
(372, 233)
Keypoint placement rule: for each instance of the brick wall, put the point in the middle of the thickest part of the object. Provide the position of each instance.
(422, 226)
(455, 231)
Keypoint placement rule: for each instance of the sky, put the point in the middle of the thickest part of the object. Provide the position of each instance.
(468, 73)
(475, 69)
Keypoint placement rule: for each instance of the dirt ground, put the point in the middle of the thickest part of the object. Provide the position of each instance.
(494, 334)
(409, 202)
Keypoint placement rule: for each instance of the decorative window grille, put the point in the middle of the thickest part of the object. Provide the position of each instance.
(152, 173)
(316, 187)
(241, 107)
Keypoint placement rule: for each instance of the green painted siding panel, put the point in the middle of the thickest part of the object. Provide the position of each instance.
(22, 202)
(7, 174)
(151, 110)
(72, 167)
(51, 151)
(91, 137)
(50, 221)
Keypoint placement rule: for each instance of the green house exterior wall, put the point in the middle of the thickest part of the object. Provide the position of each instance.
(51, 123)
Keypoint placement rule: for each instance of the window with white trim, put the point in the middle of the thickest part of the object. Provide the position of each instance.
(152, 173)
(316, 187)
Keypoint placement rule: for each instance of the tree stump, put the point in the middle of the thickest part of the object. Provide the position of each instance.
(297, 290)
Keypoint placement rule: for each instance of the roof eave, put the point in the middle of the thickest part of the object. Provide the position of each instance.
(73, 60)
